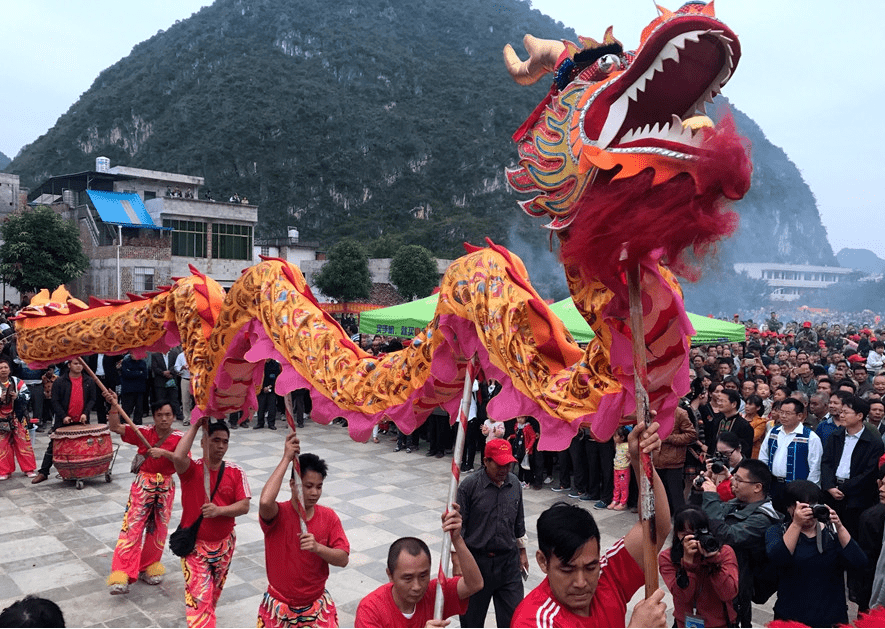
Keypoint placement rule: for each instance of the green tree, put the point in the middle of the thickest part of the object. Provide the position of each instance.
(385, 246)
(413, 271)
(345, 276)
(40, 250)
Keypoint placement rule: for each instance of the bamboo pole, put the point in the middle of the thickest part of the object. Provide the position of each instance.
(104, 389)
(457, 453)
(640, 378)
(299, 489)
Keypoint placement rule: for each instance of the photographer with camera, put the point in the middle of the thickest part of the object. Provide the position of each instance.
(741, 523)
(811, 550)
(700, 572)
(720, 465)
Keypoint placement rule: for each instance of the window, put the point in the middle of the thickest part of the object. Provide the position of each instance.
(231, 242)
(144, 279)
(265, 251)
(149, 194)
(188, 238)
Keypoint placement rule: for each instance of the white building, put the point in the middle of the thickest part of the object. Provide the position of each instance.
(790, 281)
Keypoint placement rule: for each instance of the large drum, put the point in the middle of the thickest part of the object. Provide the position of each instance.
(82, 451)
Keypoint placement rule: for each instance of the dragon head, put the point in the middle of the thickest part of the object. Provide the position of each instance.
(613, 115)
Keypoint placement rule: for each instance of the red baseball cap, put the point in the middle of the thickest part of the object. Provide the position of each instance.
(499, 451)
(807, 324)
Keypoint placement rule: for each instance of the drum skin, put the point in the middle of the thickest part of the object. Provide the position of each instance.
(82, 451)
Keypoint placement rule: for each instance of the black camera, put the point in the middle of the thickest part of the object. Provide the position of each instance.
(707, 541)
(821, 513)
(718, 463)
(699, 481)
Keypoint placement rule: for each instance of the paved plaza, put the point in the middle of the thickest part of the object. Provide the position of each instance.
(57, 541)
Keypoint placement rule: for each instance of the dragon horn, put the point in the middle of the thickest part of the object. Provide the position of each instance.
(543, 55)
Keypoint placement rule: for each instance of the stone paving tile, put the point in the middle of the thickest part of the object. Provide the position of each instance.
(379, 494)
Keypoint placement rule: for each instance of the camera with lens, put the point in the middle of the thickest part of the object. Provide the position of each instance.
(821, 513)
(707, 540)
(718, 462)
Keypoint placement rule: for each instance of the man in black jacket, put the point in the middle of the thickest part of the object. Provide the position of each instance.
(741, 523)
(728, 419)
(73, 398)
(849, 468)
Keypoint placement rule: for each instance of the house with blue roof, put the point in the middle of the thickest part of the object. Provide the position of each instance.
(140, 228)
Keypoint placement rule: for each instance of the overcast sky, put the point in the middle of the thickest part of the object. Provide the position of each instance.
(810, 76)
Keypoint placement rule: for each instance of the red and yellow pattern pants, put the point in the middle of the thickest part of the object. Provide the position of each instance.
(205, 571)
(275, 612)
(16, 445)
(145, 526)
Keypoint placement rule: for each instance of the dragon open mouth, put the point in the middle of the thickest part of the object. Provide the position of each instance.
(681, 67)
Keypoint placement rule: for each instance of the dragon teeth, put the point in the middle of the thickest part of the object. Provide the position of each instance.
(616, 115)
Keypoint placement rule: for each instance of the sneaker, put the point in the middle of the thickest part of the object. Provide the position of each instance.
(185, 423)
(620, 506)
(560, 488)
(155, 579)
(408, 450)
(32, 474)
(397, 449)
(524, 485)
(575, 494)
(586, 497)
(601, 504)
(118, 588)
(548, 480)
(6, 476)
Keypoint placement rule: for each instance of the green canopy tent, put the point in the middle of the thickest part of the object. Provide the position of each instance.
(707, 330)
(404, 320)
(408, 319)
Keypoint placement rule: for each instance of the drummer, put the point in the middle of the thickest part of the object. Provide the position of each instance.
(146, 519)
(73, 398)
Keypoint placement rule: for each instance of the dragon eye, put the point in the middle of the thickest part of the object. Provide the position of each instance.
(609, 63)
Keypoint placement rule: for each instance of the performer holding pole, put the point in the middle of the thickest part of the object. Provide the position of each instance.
(298, 553)
(145, 526)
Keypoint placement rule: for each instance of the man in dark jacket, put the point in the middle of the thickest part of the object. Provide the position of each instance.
(133, 385)
(741, 523)
(728, 419)
(73, 398)
(849, 467)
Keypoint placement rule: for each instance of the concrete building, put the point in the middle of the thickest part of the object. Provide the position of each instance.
(291, 248)
(142, 227)
(790, 281)
(9, 194)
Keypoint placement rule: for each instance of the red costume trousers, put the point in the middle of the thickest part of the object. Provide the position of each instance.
(145, 524)
(274, 611)
(205, 571)
(16, 445)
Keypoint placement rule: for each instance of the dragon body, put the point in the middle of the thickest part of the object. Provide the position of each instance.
(581, 155)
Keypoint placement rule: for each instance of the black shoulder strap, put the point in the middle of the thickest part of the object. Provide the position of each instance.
(217, 481)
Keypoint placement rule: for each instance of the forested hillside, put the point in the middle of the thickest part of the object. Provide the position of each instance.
(375, 119)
